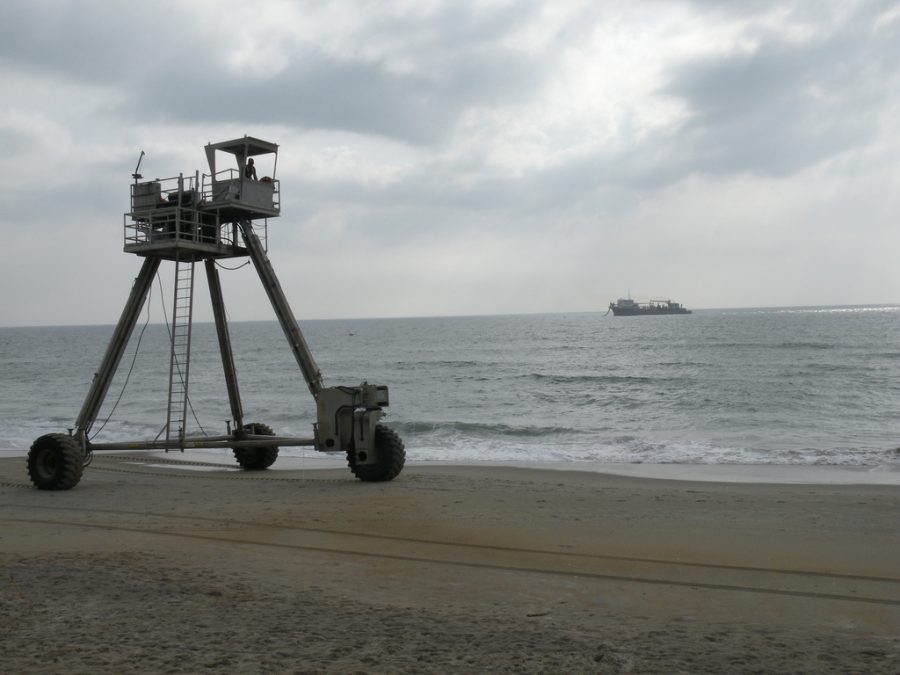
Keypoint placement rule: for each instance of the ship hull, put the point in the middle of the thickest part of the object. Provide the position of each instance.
(647, 311)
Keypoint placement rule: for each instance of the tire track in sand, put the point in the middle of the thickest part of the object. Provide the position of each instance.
(769, 581)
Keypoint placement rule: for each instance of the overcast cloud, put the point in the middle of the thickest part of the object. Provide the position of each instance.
(465, 157)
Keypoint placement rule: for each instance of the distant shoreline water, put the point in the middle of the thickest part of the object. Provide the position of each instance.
(869, 307)
(807, 386)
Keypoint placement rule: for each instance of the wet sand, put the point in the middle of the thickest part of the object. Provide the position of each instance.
(152, 566)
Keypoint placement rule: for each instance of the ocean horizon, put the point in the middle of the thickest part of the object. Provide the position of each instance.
(699, 310)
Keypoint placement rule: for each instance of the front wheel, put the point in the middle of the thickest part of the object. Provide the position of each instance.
(259, 457)
(389, 460)
(55, 462)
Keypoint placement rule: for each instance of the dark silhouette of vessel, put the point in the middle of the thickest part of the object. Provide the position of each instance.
(628, 307)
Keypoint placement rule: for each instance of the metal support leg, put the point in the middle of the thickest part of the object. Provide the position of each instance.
(103, 377)
(218, 305)
(282, 309)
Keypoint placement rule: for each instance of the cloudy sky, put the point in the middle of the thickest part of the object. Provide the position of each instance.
(446, 158)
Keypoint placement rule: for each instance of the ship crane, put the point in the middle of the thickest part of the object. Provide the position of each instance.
(191, 219)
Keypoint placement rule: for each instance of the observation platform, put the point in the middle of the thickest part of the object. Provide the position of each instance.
(195, 217)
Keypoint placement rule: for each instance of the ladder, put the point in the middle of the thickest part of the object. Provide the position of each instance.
(180, 352)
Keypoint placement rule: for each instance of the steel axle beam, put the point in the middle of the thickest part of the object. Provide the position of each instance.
(205, 442)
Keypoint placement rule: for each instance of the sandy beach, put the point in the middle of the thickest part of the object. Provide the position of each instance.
(150, 565)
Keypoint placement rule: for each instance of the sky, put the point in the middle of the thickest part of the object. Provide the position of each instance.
(458, 158)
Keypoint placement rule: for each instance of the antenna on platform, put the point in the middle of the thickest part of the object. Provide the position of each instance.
(137, 176)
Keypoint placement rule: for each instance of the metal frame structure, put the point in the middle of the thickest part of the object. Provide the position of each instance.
(187, 220)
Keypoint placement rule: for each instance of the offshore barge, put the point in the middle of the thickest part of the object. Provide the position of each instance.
(628, 307)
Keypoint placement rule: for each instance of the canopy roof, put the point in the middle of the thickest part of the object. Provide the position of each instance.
(241, 148)
(246, 146)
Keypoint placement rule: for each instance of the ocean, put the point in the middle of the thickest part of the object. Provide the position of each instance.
(807, 386)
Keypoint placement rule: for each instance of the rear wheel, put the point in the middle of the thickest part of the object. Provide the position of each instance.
(260, 457)
(55, 462)
(389, 460)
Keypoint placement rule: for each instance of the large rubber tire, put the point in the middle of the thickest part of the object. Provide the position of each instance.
(391, 456)
(258, 458)
(55, 462)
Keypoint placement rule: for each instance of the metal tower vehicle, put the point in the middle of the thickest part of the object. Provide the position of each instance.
(188, 219)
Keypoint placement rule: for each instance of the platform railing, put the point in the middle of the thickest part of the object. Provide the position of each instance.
(172, 210)
(171, 224)
(162, 192)
(226, 187)
(180, 224)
